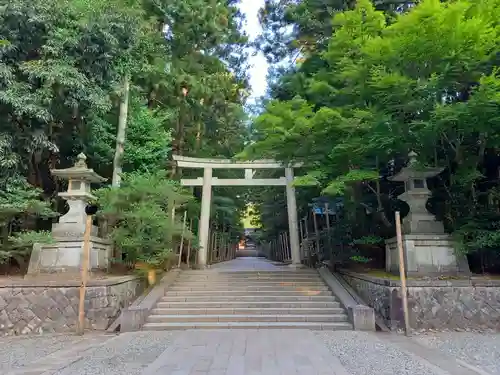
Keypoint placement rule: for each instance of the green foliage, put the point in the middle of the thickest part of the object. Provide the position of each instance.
(62, 66)
(369, 87)
(142, 210)
(368, 240)
(19, 245)
(360, 259)
(19, 201)
(148, 142)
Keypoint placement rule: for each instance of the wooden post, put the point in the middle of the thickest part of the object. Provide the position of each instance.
(211, 246)
(282, 240)
(316, 232)
(402, 273)
(277, 247)
(173, 223)
(276, 252)
(189, 242)
(329, 235)
(327, 217)
(182, 239)
(84, 274)
(287, 246)
(173, 213)
(216, 247)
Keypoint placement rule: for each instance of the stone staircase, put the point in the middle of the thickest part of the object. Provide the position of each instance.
(280, 298)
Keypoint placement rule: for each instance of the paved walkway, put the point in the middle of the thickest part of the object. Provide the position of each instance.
(251, 352)
(249, 264)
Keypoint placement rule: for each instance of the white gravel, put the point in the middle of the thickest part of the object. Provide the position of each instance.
(129, 355)
(17, 352)
(478, 349)
(363, 353)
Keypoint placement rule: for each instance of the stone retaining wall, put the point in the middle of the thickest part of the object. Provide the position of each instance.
(433, 304)
(35, 306)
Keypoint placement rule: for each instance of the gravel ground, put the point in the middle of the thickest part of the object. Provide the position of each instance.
(129, 355)
(25, 349)
(481, 350)
(363, 353)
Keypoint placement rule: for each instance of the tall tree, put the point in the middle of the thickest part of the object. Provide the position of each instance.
(383, 86)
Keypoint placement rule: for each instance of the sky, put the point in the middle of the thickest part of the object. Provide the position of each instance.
(258, 63)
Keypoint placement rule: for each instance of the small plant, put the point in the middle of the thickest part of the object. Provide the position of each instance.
(20, 244)
(360, 259)
(368, 240)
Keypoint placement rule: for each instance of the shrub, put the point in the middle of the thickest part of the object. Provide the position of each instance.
(141, 213)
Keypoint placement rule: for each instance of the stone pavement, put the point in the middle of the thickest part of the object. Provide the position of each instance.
(247, 352)
(251, 352)
(249, 264)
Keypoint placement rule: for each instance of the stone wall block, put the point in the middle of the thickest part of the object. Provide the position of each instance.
(453, 304)
(46, 309)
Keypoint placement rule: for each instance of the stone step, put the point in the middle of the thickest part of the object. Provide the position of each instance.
(249, 304)
(249, 325)
(220, 288)
(242, 293)
(237, 283)
(283, 278)
(230, 299)
(247, 298)
(248, 310)
(283, 269)
(244, 275)
(246, 318)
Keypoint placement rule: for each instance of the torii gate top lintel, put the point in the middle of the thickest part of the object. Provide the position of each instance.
(190, 162)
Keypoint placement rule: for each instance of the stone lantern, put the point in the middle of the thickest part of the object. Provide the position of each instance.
(79, 178)
(65, 255)
(429, 250)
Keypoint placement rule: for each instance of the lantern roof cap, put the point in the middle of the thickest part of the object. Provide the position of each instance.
(79, 171)
(412, 170)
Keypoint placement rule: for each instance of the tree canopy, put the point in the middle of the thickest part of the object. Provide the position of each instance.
(62, 68)
(382, 81)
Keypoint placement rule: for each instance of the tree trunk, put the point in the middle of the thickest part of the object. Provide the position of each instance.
(120, 135)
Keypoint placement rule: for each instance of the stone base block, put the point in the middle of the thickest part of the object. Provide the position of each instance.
(61, 230)
(295, 266)
(66, 255)
(362, 317)
(426, 255)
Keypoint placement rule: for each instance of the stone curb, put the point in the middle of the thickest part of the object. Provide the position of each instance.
(422, 283)
(35, 282)
(133, 317)
(361, 316)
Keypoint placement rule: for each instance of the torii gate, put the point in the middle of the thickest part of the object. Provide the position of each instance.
(207, 181)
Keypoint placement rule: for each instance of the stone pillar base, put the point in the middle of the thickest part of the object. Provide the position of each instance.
(426, 255)
(66, 255)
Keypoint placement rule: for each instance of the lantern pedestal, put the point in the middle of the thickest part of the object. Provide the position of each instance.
(426, 255)
(66, 254)
(429, 251)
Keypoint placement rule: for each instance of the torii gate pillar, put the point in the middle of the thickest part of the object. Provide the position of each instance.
(291, 207)
(204, 228)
